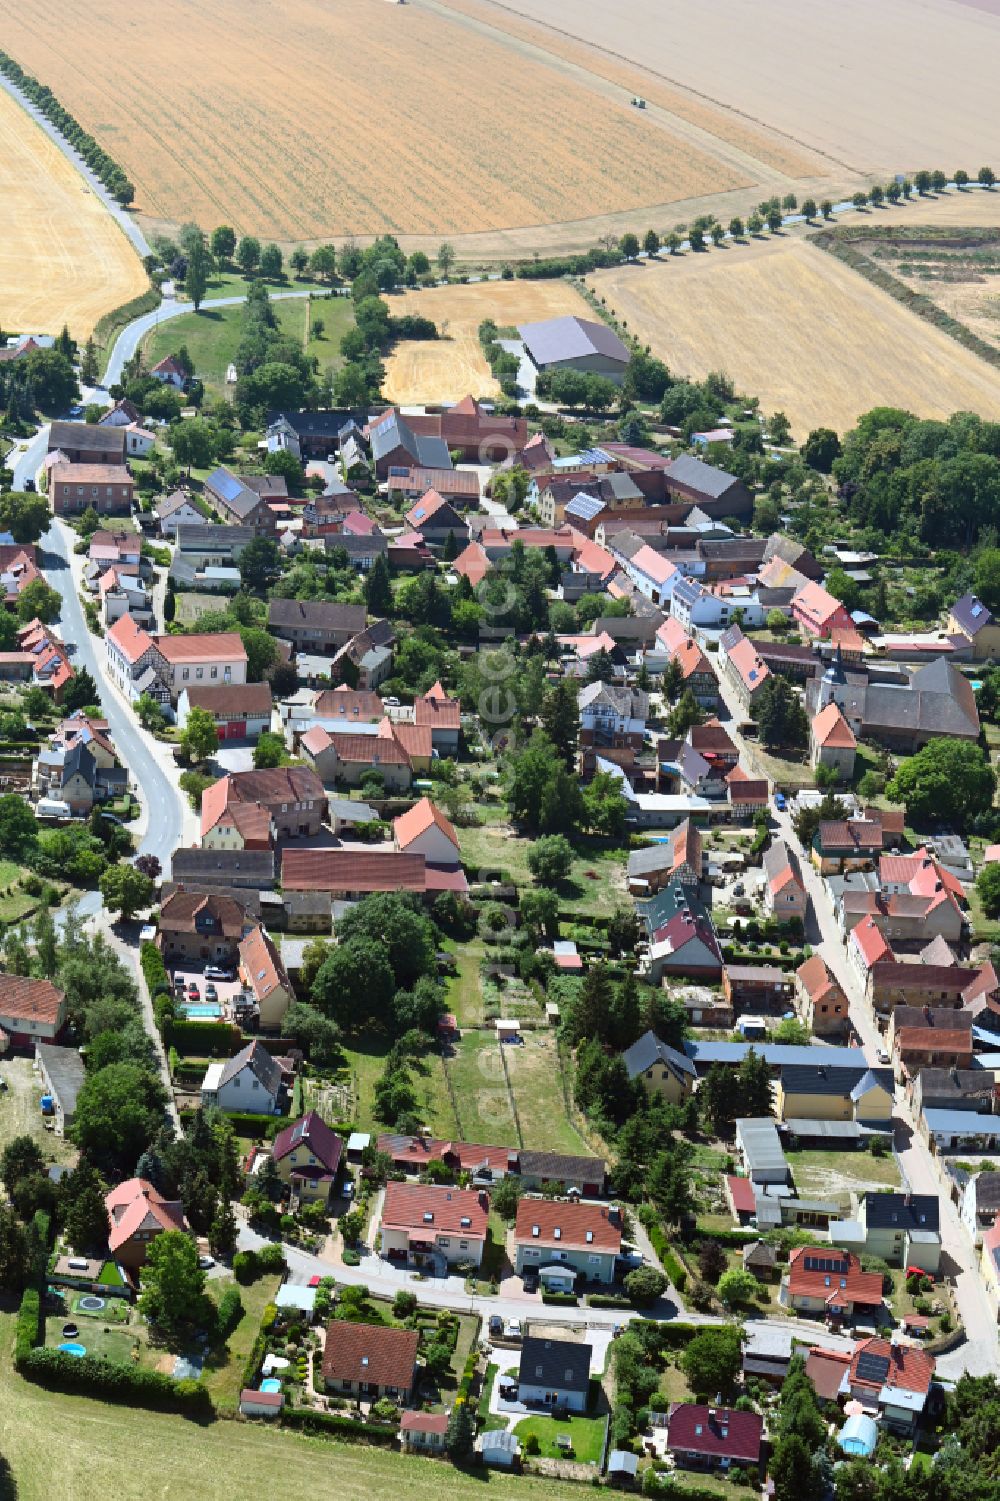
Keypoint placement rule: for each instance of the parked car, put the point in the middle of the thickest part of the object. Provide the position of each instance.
(496, 1324)
(180, 985)
(216, 972)
(211, 994)
(193, 992)
(206, 1262)
(512, 1329)
(530, 1282)
(780, 801)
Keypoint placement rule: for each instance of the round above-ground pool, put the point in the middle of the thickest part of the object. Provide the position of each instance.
(72, 1348)
(270, 1385)
(70, 1331)
(90, 1304)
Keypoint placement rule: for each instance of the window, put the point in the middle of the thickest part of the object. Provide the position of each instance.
(215, 672)
(186, 673)
(593, 1260)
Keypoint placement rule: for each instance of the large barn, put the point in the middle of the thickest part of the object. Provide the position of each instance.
(575, 344)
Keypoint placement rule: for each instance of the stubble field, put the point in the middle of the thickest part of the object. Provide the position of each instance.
(448, 368)
(63, 258)
(799, 329)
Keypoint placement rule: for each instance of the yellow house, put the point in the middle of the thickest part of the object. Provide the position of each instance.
(811, 1092)
(661, 1068)
(307, 1157)
(969, 617)
(989, 1265)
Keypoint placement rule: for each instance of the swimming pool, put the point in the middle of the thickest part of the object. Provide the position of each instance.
(270, 1385)
(71, 1347)
(203, 1010)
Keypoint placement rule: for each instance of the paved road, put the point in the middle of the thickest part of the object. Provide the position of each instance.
(980, 1355)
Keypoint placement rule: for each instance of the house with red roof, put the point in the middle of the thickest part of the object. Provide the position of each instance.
(30, 1011)
(170, 372)
(425, 830)
(818, 613)
(472, 563)
(436, 519)
(820, 1000)
(653, 574)
(307, 1156)
(137, 1214)
(411, 1154)
(561, 1240)
(989, 1265)
(428, 1225)
(264, 978)
(686, 945)
(442, 715)
(893, 1379)
(784, 891)
(343, 758)
(703, 1438)
(832, 742)
(743, 666)
(828, 1281)
(867, 946)
(370, 1360)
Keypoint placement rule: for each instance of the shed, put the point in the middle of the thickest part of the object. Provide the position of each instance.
(508, 1031)
(622, 1467)
(858, 1436)
(254, 1404)
(293, 1295)
(356, 1143)
(498, 1447)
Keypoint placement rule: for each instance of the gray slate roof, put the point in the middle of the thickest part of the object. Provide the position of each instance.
(224, 867)
(558, 1166)
(902, 1211)
(560, 1363)
(555, 339)
(649, 1050)
(712, 482)
(256, 1056)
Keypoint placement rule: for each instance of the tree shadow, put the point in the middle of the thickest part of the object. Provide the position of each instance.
(214, 315)
(8, 1482)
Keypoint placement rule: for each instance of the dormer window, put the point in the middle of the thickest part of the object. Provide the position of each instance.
(535, 1230)
(557, 1233)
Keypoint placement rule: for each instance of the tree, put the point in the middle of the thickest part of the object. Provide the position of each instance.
(88, 363)
(780, 429)
(774, 219)
(84, 1211)
(269, 750)
(809, 209)
(196, 276)
(445, 258)
(378, 587)
(38, 600)
(460, 1434)
(173, 1296)
(922, 182)
(223, 242)
(605, 807)
(193, 443)
(400, 927)
(560, 719)
(18, 827)
(80, 692)
(820, 449)
(629, 246)
(323, 263)
(199, 738)
(791, 1467)
(826, 209)
(25, 516)
(271, 262)
(737, 1287)
(550, 859)
(986, 177)
(51, 378)
(686, 713)
(150, 866)
(248, 254)
(355, 985)
(22, 1157)
(13, 1251)
(125, 889)
(223, 1230)
(939, 180)
(259, 562)
(988, 886)
(859, 200)
(539, 911)
(645, 1285)
(261, 649)
(149, 713)
(779, 715)
(651, 242)
(712, 1361)
(119, 1113)
(711, 1261)
(948, 781)
(736, 227)
(876, 196)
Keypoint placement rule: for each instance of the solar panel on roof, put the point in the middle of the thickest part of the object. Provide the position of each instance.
(871, 1367)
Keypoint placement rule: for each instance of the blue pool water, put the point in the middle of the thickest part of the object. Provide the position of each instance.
(72, 1348)
(270, 1385)
(203, 1010)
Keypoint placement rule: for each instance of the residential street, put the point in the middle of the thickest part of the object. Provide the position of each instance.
(981, 1353)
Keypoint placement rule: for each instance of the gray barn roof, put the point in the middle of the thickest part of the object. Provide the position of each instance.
(556, 339)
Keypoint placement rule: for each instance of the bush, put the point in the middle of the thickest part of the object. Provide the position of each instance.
(114, 1383)
(249, 1265)
(29, 1325)
(608, 1300)
(668, 1260)
(230, 1310)
(560, 1299)
(308, 1421)
(154, 970)
(204, 1039)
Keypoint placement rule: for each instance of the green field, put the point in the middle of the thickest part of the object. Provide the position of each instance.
(79, 1449)
(836, 1174)
(223, 1374)
(484, 1103)
(212, 335)
(596, 883)
(585, 1434)
(365, 1060)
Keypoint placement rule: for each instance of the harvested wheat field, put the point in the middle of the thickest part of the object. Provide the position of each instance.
(448, 368)
(799, 329)
(63, 259)
(876, 87)
(363, 117)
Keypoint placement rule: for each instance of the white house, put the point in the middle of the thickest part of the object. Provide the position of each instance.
(177, 510)
(697, 608)
(249, 1083)
(170, 372)
(424, 830)
(606, 710)
(653, 574)
(554, 1373)
(139, 441)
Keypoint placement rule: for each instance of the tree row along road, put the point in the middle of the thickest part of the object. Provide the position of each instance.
(980, 1355)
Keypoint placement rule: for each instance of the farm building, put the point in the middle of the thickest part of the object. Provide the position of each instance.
(575, 344)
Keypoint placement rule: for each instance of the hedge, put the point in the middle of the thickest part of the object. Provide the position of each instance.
(230, 1310)
(669, 1261)
(259, 1348)
(249, 1265)
(724, 1237)
(608, 1300)
(561, 1299)
(29, 1325)
(256, 1127)
(153, 968)
(340, 1427)
(204, 1039)
(114, 1382)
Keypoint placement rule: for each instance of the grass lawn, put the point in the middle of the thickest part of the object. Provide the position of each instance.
(365, 1060)
(61, 1444)
(212, 335)
(984, 929)
(223, 1374)
(20, 1112)
(535, 1078)
(586, 1435)
(464, 995)
(15, 903)
(835, 1174)
(476, 1072)
(596, 882)
(674, 1384)
(190, 607)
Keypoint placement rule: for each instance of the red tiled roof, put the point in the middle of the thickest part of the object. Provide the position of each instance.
(826, 1369)
(135, 1205)
(260, 965)
(816, 979)
(437, 710)
(717, 1432)
(219, 646)
(932, 1040)
(352, 870)
(831, 729)
(407, 1206)
(871, 941)
(131, 640)
(910, 1368)
(30, 1000)
(417, 1151)
(418, 819)
(573, 1221)
(417, 740)
(370, 1353)
(832, 1275)
(424, 1422)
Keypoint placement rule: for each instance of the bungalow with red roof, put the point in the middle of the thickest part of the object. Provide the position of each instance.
(137, 1214)
(423, 1432)
(411, 1154)
(823, 1279)
(424, 829)
(892, 1379)
(370, 1360)
(307, 1156)
(832, 742)
(818, 613)
(425, 1225)
(703, 1438)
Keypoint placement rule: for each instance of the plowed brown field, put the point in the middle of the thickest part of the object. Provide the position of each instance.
(300, 118)
(448, 368)
(63, 258)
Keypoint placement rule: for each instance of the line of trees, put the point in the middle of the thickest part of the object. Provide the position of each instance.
(104, 167)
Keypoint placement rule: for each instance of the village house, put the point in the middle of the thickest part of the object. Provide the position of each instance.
(349, 874)
(560, 1240)
(239, 711)
(891, 984)
(292, 797)
(236, 870)
(370, 1361)
(31, 1011)
(124, 593)
(554, 1373)
(892, 1379)
(685, 945)
(315, 625)
(162, 666)
(572, 1175)
(198, 925)
(820, 1000)
(818, 613)
(170, 372)
(395, 445)
(87, 443)
(484, 1164)
(137, 1214)
(903, 1229)
(930, 1037)
(661, 1068)
(177, 509)
(433, 1227)
(425, 830)
(712, 490)
(344, 759)
(307, 1156)
(250, 1083)
(815, 1092)
(784, 892)
(241, 504)
(830, 1282)
(435, 711)
(263, 977)
(423, 1432)
(702, 1437)
(902, 714)
(107, 488)
(436, 520)
(757, 989)
(989, 1266)
(970, 618)
(846, 844)
(742, 665)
